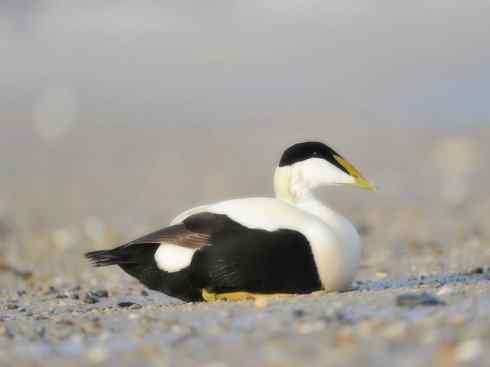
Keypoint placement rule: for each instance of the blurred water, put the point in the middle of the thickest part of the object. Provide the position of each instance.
(183, 62)
(124, 97)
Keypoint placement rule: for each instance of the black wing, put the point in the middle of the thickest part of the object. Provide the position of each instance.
(195, 232)
(255, 260)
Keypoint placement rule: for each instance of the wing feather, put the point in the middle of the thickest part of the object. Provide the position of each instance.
(178, 235)
(194, 232)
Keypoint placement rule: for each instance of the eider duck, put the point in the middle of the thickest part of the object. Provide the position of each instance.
(246, 248)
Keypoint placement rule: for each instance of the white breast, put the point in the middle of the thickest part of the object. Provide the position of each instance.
(337, 261)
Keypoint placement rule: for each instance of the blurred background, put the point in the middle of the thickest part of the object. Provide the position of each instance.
(116, 116)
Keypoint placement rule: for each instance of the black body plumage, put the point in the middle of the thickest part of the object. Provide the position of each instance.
(229, 257)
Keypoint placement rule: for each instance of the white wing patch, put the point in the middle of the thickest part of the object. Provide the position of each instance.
(172, 258)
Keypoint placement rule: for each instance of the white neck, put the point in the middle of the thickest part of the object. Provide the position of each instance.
(289, 187)
(341, 253)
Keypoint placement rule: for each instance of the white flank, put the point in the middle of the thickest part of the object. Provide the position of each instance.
(172, 258)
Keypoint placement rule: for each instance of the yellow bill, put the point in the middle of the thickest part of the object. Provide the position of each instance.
(360, 180)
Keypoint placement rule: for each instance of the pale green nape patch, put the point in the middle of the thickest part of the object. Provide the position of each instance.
(282, 184)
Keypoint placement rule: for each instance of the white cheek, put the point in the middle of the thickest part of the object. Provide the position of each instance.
(172, 258)
(316, 172)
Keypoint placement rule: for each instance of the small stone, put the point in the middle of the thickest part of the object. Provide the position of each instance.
(469, 351)
(61, 296)
(457, 320)
(90, 299)
(40, 332)
(144, 293)
(394, 331)
(6, 331)
(364, 229)
(97, 354)
(418, 299)
(311, 327)
(93, 327)
(75, 296)
(12, 306)
(132, 305)
(445, 290)
(340, 316)
(298, 313)
(66, 322)
(21, 293)
(445, 355)
(344, 336)
(478, 270)
(260, 302)
(100, 293)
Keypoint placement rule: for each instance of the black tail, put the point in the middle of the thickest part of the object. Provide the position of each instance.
(138, 260)
(124, 255)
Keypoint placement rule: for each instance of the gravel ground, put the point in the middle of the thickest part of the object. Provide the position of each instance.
(443, 319)
(422, 294)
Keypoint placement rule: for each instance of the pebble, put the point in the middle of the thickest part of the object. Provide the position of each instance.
(366, 328)
(418, 299)
(90, 299)
(66, 322)
(260, 302)
(6, 331)
(40, 332)
(298, 313)
(445, 290)
(91, 327)
(311, 327)
(98, 354)
(478, 270)
(100, 293)
(457, 320)
(469, 351)
(12, 306)
(345, 336)
(395, 331)
(132, 305)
